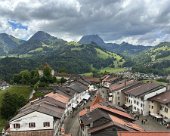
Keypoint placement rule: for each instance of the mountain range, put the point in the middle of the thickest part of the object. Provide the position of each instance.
(12, 45)
(123, 48)
(8, 43)
(90, 54)
(71, 57)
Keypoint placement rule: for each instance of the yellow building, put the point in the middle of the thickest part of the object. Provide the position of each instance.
(159, 106)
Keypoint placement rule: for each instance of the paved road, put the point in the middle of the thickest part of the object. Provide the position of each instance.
(72, 124)
(151, 124)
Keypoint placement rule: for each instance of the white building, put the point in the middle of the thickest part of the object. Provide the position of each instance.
(3, 85)
(137, 97)
(34, 120)
(115, 91)
(40, 115)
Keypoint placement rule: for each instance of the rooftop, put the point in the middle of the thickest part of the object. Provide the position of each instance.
(110, 78)
(163, 98)
(93, 116)
(77, 86)
(124, 123)
(44, 107)
(121, 84)
(58, 97)
(92, 79)
(123, 133)
(143, 89)
(115, 121)
(108, 109)
(45, 100)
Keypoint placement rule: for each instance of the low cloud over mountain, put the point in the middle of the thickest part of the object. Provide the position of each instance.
(138, 22)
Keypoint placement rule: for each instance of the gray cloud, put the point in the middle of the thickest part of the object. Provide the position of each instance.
(139, 20)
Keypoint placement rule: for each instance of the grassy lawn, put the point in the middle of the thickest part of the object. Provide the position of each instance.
(155, 81)
(112, 70)
(107, 69)
(19, 90)
(73, 43)
(87, 74)
(76, 49)
(102, 54)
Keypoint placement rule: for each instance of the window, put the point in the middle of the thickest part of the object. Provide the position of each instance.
(118, 98)
(141, 105)
(134, 101)
(16, 125)
(137, 103)
(152, 107)
(46, 124)
(118, 103)
(32, 125)
(166, 110)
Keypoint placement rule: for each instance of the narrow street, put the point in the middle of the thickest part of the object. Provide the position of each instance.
(72, 125)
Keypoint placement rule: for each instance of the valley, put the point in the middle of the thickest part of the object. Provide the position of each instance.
(90, 55)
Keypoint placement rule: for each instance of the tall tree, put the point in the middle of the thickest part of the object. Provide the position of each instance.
(10, 104)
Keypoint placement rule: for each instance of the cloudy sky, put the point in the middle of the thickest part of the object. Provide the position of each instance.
(144, 22)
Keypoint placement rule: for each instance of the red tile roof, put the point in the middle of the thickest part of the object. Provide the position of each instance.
(109, 78)
(115, 121)
(163, 98)
(92, 79)
(121, 84)
(95, 129)
(123, 133)
(58, 97)
(97, 99)
(115, 111)
(127, 124)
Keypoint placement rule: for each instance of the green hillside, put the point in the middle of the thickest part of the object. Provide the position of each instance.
(72, 59)
(156, 60)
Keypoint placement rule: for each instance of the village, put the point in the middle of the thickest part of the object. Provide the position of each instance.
(91, 106)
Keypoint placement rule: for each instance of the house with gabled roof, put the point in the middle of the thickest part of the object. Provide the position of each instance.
(137, 97)
(159, 107)
(102, 119)
(40, 117)
(115, 91)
